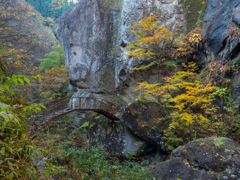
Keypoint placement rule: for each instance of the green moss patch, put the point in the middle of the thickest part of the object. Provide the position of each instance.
(194, 12)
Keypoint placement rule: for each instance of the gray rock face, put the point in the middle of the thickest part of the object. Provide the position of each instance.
(93, 37)
(87, 34)
(102, 131)
(176, 168)
(236, 15)
(117, 138)
(121, 140)
(142, 118)
(222, 35)
(197, 159)
(132, 11)
(219, 36)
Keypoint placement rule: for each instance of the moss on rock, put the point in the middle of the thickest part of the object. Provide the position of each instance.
(194, 12)
(142, 117)
(212, 154)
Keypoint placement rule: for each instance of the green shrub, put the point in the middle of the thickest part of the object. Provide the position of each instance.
(95, 163)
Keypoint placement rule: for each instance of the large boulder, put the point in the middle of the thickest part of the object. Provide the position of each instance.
(103, 132)
(139, 133)
(143, 118)
(203, 159)
(118, 139)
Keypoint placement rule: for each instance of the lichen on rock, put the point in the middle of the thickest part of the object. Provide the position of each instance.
(142, 117)
(194, 11)
(213, 158)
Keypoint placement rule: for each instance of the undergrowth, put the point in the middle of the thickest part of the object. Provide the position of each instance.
(69, 155)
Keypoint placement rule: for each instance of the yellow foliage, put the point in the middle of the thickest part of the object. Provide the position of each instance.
(191, 101)
(54, 77)
(189, 44)
(151, 39)
(195, 38)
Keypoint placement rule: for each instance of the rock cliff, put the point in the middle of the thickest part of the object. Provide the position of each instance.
(94, 33)
(88, 34)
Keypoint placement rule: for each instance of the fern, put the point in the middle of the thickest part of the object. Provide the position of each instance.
(170, 64)
(147, 66)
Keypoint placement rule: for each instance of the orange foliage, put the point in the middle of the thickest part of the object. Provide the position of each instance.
(189, 44)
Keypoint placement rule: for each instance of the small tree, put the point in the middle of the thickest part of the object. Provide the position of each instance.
(152, 41)
(53, 59)
(189, 45)
(54, 78)
(190, 105)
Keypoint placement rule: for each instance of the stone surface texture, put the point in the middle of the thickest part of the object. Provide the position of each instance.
(93, 37)
(142, 117)
(87, 34)
(220, 37)
(203, 159)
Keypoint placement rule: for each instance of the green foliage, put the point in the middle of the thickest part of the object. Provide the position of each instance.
(169, 64)
(15, 145)
(85, 125)
(9, 91)
(51, 8)
(228, 115)
(53, 59)
(147, 66)
(15, 149)
(95, 163)
(236, 63)
(54, 75)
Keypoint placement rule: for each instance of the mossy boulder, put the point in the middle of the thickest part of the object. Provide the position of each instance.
(115, 136)
(203, 159)
(103, 132)
(143, 117)
(215, 154)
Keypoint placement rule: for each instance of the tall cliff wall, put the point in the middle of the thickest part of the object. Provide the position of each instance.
(93, 36)
(94, 33)
(88, 34)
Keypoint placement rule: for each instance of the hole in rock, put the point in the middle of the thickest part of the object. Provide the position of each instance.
(123, 44)
(235, 51)
(144, 149)
(122, 72)
(224, 43)
(74, 53)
